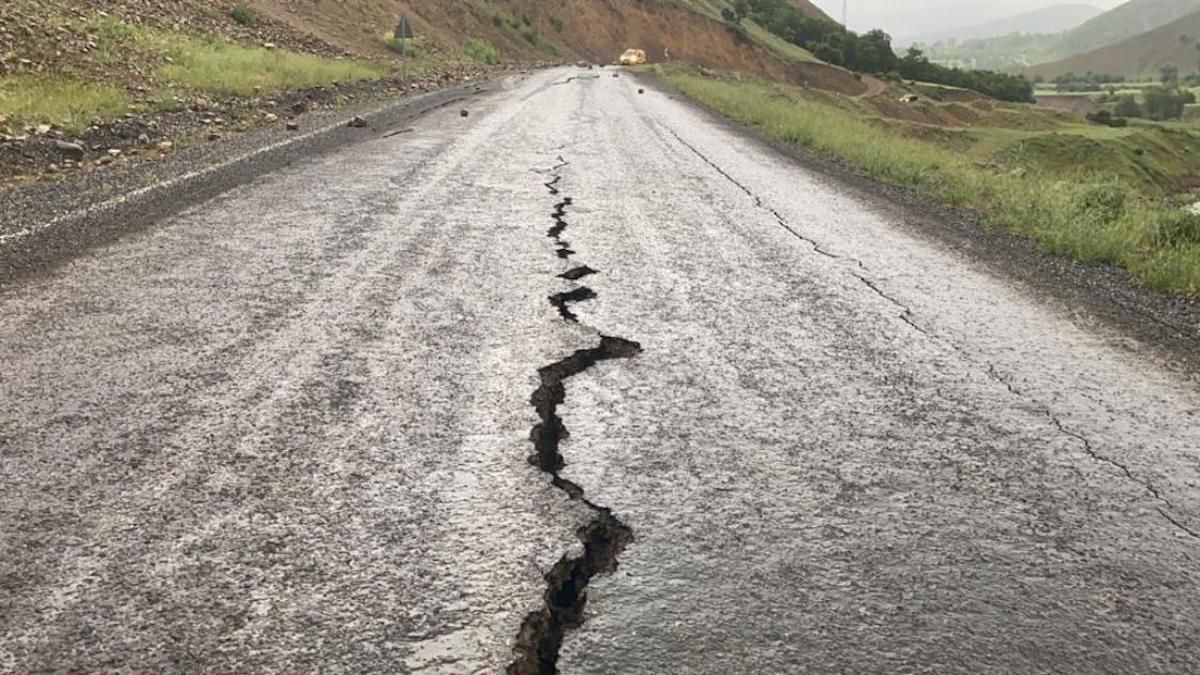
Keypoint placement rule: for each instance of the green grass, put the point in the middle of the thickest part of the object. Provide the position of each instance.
(1092, 212)
(224, 68)
(212, 66)
(65, 101)
(481, 51)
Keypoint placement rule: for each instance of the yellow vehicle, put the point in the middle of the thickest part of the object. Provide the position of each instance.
(633, 57)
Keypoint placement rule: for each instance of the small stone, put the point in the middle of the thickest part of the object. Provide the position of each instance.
(214, 137)
(165, 146)
(143, 138)
(270, 117)
(43, 129)
(641, 91)
(293, 126)
(104, 161)
(72, 150)
(464, 113)
(356, 122)
(269, 45)
(114, 152)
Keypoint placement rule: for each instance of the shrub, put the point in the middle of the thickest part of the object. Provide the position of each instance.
(497, 20)
(1102, 204)
(1127, 106)
(1177, 228)
(242, 15)
(1107, 119)
(530, 34)
(481, 51)
(409, 47)
(556, 23)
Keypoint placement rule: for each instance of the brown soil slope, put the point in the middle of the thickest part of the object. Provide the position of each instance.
(596, 30)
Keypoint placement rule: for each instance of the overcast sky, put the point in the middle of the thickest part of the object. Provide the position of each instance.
(906, 17)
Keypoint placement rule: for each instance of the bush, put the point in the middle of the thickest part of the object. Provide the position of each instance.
(1177, 228)
(1127, 106)
(1107, 119)
(481, 51)
(556, 23)
(530, 34)
(242, 15)
(411, 47)
(1103, 204)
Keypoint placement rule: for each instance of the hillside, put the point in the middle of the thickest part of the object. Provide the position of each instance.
(1177, 43)
(1125, 21)
(1043, 21)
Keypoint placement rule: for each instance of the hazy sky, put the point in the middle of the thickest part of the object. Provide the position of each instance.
(906, 17)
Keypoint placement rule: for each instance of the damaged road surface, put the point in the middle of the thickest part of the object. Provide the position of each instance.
(584, 382)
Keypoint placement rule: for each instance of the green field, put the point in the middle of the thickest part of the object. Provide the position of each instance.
(1095, 193)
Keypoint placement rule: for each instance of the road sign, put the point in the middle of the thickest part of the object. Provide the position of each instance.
(404, 29)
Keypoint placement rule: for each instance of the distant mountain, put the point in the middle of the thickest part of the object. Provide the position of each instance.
(1125, 21)
(1043, 21)
(1177, 43)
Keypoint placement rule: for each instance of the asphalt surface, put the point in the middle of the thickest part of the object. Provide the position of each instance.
(349, 418)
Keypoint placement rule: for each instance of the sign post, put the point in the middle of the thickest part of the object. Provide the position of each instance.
(403, 33)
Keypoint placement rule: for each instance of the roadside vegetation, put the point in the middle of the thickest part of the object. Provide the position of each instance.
(67, 102)
(179, 65)
(481, 51)
(1092, 192)
(223, 68)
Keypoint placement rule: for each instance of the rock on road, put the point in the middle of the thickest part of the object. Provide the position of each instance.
(288, 430)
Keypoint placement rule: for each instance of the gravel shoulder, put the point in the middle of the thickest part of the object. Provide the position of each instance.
(1091, 292)
(45, 223)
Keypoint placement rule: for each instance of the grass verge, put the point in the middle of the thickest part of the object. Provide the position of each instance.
(236, 70)
(1090, 215)
(65, 101)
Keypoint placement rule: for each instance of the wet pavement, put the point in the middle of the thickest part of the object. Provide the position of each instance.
(351, 417)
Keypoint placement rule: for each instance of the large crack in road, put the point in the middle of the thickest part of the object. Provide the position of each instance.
(604, 537)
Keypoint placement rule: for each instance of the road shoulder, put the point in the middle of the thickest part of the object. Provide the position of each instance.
(1091, 292)
(47, 223)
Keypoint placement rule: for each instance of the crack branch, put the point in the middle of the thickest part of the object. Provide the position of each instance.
(1089, 449)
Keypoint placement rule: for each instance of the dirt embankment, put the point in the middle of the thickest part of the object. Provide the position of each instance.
(596, 30)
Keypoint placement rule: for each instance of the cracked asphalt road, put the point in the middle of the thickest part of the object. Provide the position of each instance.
(288, 430)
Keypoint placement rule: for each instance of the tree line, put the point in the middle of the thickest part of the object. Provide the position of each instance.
(870, 52)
